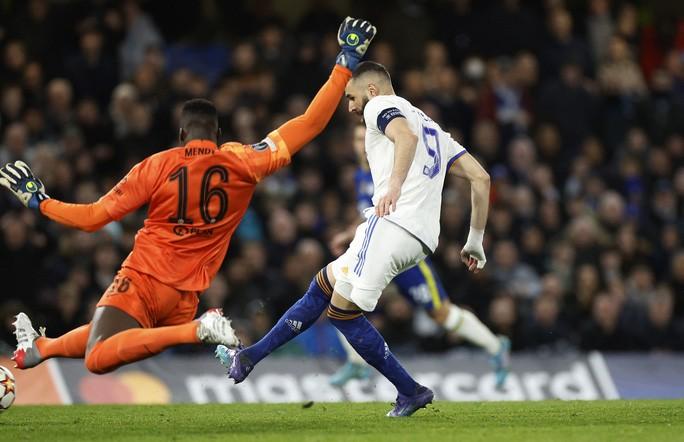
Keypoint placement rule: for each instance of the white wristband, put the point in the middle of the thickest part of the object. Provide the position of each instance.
(475, 236)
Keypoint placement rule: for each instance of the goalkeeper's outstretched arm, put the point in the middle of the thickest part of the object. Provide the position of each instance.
(87, 217)
(128, 195)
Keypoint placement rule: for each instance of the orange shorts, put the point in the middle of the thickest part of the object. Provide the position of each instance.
(148, 301)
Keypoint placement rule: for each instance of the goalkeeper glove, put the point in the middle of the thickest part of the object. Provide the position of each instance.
(354, 36)
(19, 179)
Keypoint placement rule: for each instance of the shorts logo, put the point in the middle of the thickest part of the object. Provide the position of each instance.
(387, 351)
(352, 39)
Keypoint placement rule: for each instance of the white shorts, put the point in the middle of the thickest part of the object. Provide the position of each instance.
(379, 251)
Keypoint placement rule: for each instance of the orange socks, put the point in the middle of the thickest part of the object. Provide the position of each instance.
(69, 345)
(123, 348)
(136, 344)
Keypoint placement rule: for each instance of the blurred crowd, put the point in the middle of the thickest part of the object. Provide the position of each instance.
(575, 108)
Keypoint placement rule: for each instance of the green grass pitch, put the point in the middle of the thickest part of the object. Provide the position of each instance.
(502, 421)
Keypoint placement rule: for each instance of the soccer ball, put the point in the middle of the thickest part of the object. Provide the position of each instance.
(8, 390)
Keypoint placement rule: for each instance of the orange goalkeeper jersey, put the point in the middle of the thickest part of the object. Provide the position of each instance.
(197, 195)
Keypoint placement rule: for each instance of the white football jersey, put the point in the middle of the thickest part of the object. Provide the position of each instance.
(419, 206)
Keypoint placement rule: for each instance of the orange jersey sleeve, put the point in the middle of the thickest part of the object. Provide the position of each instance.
(134, 190)
(261, 159)
(88, 217)
(299, 131)
(275, 151)
(130, 193)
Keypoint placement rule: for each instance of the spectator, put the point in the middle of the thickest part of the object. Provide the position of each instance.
(59, 110)
(92, 72)
(519, 278)
(545, 329)
(677, 271)
(506, 100)
(11, 103)
(569, 105)
(562, 46)
(503, 317)
(619, 74)
(15, 59)
(15, 144)
(661, 332)
(141, 34)
(603, 332)
(600, 28)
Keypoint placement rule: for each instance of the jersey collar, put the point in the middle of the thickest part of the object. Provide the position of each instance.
(201, 143)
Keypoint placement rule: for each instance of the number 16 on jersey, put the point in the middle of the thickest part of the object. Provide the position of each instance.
(207, 194)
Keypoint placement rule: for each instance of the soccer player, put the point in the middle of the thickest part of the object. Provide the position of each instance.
(421, 286)
(197, 195)
(409, 156)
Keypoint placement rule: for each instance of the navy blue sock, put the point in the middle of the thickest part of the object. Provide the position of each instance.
(368, 342)
(297, 319)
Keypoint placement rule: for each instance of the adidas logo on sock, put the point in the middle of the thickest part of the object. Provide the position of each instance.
(294, 325)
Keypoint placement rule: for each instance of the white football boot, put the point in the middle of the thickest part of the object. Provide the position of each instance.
(26, 355)
(214, 328)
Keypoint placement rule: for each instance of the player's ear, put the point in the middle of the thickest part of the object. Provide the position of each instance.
(372, 90)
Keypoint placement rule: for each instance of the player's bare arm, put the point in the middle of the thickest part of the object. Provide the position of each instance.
(405, 142)
(470, 169)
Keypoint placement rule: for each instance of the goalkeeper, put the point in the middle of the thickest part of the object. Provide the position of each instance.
(197, 195)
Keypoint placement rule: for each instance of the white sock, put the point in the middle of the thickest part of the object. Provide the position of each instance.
(352, 355)
(466, 324)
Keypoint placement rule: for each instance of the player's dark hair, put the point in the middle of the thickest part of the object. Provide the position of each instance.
(371, 67)
(199, 114)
